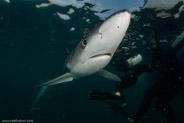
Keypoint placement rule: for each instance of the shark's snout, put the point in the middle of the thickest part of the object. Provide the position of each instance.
(123, 11)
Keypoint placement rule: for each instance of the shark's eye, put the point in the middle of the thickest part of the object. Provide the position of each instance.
(84, 42)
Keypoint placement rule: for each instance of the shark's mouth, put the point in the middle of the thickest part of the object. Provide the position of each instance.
(101, 55)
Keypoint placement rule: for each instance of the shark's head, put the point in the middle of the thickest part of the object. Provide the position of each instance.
(96, 50)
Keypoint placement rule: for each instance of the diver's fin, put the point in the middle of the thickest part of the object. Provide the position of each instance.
(61, 79)
(108, 75)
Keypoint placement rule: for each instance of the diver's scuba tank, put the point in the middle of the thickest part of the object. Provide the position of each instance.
(134, 60)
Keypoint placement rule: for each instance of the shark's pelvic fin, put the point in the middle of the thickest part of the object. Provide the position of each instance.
(109, 75)
(61, 79)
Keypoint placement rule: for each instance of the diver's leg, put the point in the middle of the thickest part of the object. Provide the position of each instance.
(167, 112)
(162, 102)
(147, 100)
(150, 94)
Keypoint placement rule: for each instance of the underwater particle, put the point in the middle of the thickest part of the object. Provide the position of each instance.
(141, 36)
(43, 5)
(144, 42)
(133, 16)
(117, 51)
(85, 9)
(125, 48)
(164, 40)
(86, 30)
(63, 16)
(148, 24)
(71, 11)
(136, 18)
(88, 20)
(125, 39)
(133, 43)
(72, 29)
(134, 47)
(164, 14)
(177, 15)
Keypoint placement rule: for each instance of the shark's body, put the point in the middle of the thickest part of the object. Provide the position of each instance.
(95, 51)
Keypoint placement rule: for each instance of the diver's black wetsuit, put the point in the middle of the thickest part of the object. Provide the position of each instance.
(171, 82)
(165, 89)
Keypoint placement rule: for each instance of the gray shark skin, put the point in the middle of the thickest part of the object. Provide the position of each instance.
(96, 50)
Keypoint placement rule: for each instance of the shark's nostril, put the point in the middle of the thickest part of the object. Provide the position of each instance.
(101, 35)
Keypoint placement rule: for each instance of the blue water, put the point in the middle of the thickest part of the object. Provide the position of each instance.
(33, 45)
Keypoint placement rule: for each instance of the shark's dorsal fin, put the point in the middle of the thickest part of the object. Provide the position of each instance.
(61, 79)
(108, 75)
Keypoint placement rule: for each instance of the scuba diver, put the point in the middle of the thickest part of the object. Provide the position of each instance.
(167, 88)
(167, 60)
(164, 61)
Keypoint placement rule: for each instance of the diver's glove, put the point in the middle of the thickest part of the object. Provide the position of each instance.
(100, 95)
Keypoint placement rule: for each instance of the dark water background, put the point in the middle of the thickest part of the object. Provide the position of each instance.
(33, 46)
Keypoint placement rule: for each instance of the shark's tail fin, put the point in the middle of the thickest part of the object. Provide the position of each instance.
(61, 79)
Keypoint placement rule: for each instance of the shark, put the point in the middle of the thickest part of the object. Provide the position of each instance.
(96, 49)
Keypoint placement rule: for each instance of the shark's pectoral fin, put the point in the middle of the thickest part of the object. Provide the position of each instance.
(61, 79)
(108, 75)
